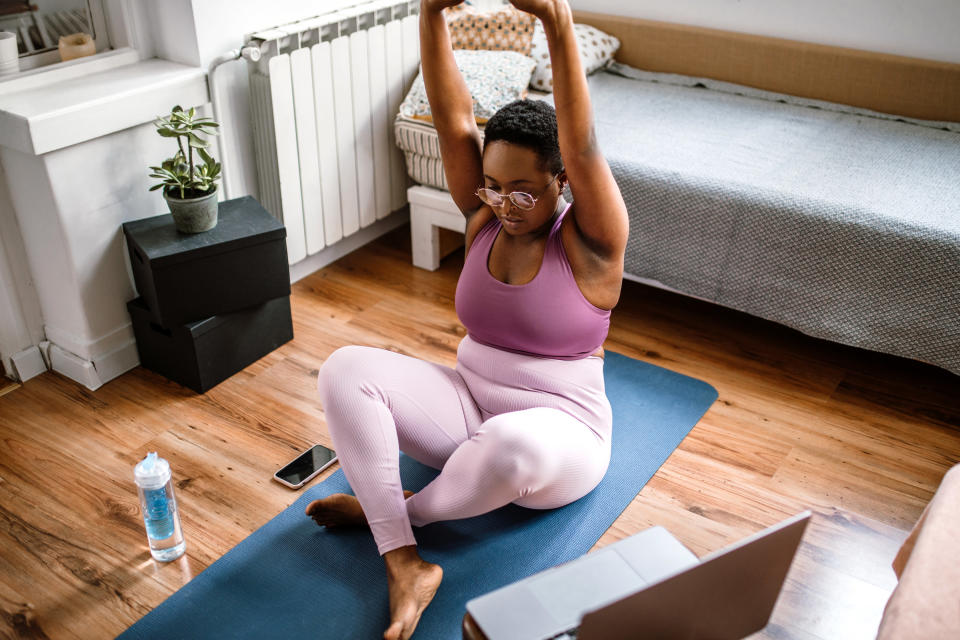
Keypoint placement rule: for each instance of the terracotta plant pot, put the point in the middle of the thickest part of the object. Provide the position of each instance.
(193, 215)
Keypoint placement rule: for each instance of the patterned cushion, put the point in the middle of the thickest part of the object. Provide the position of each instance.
(503, 29)
(495, 78)
(596, 51)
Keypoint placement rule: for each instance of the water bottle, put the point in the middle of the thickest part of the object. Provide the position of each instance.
(159, 507)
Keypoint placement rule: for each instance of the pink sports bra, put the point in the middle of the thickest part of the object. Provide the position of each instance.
(547, 317)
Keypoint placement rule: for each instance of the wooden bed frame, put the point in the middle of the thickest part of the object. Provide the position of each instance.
(913, 87)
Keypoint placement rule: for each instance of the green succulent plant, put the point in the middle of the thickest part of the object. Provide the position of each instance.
(179, 176)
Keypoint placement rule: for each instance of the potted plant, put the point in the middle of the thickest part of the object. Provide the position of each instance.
(189, 188)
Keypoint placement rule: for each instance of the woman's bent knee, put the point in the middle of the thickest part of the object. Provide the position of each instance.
(344, 364)
(552, 459)
(516, 455)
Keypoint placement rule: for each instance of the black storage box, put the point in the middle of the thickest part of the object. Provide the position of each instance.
(201, 354)
(184, 277)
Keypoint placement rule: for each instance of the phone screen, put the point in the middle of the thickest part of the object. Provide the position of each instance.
(308, 462)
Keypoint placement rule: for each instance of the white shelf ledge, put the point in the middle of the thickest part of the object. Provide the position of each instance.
(44, 119)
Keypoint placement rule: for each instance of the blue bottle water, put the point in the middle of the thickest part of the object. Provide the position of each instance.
(159, 507)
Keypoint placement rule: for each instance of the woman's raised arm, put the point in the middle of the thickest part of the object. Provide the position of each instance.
(599, 211)
(451, 107)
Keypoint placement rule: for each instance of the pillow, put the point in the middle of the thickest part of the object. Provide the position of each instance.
(503, 29)
(596, 51)
(495, 78)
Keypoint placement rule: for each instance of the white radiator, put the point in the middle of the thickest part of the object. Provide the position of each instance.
(322, 102)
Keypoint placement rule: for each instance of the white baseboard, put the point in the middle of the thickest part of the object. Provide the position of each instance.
(93, 374)
(74, 367)
(28, 364)
(351, 243)
(90, 349)
(117, 362)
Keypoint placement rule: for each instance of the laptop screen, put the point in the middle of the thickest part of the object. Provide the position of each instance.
(728, 595)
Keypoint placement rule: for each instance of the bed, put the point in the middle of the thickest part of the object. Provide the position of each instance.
(836, 220)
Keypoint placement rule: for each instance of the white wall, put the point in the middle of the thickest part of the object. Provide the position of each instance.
(917, 28)
(172, 30)
(222, 24)
(98, 186)
(77, 198)
(21, 324)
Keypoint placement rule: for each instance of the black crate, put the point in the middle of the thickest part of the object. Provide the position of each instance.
(201, 354)
(184, 277)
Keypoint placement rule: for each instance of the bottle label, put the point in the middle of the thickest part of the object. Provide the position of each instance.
(156, 513)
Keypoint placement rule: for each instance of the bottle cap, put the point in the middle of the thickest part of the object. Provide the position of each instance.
(152, 472)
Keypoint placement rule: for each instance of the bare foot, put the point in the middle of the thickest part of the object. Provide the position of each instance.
(340, 510)
(412, 583)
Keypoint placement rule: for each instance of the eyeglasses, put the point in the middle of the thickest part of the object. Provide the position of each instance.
(520, 200)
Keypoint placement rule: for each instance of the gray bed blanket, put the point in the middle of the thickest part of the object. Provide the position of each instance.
(843, 225)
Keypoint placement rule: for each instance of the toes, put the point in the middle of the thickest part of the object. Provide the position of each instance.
(393, 631)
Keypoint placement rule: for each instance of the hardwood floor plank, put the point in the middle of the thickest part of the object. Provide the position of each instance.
(19, 614)
(837, 594)
(83, 588)
(709, 339)
(860, 438)
(109, 422)
(729, 438)
(7, 386)
(64, 483)
(739, 500)
(855, 544)
(289, 388)
(433, 336)
(823, 479)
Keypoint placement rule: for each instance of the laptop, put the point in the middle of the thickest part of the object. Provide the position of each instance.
(647, 586)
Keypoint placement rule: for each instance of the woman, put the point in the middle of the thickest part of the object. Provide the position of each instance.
(523, 418)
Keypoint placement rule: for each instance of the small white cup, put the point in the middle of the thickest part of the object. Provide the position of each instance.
(9, 56)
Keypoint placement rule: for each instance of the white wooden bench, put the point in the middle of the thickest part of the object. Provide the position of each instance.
(431, 210)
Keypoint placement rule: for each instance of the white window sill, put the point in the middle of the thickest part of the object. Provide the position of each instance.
(40, 119)
(52, 74)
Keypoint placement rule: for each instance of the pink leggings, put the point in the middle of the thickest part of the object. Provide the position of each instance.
(503, 427)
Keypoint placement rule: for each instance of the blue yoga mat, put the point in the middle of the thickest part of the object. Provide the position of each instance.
(293, 579)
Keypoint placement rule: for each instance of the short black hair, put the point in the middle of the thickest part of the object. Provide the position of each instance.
(531, 124)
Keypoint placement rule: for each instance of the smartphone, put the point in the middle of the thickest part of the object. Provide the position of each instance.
(306, 466)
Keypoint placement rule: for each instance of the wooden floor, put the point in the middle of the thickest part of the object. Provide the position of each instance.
(861, 439)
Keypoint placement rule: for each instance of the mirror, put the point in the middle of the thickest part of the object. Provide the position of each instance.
(39, 24)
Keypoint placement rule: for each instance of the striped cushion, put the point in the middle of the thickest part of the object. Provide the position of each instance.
(421, 149)
(421, 146)
(425, 170)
